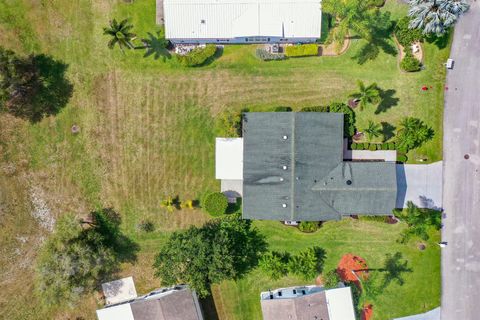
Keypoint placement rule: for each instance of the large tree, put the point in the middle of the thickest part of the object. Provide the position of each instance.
(412, 134)
(419, 221)
(120, 34)
(366, 94)
(77, 256)
(435, 16)
(348, 15)
(224, 248)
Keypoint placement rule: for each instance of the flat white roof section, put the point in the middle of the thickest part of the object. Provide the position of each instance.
(120, 312)
(229, 158)
(119, 291)
(213, 19)
(340, 304)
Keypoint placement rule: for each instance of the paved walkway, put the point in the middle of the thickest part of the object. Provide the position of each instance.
(461, 200)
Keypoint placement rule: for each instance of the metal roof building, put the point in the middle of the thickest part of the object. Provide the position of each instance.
(293, 169)
(242, 21)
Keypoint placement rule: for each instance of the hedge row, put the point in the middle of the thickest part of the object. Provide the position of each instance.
(373, 146)
(302, 50)
(405, 35)
(197, 56)
(264, 55)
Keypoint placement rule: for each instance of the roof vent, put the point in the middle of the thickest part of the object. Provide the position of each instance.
(281, 179)
(202, 21)
(285, 137)
(284, 167)
(349, 182)
(284, 205)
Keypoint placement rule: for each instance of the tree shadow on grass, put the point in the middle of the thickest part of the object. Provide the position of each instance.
(440, 41)
(394, 268)
(388, 130)
(209, 308)
(388, 100)
(156, 46)
(106, 222)
(54, 89)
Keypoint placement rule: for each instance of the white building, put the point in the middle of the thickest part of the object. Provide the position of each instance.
(308, 302)
(242, 21)
(122, 303)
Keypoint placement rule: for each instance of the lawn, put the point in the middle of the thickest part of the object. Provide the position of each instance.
(371, 240)
(147, 132)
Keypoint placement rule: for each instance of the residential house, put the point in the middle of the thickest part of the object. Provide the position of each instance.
(307, 303)
(240, 21)
(122, 303)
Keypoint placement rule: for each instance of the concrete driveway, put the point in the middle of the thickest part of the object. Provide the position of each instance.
(461, 158)
(421, 184)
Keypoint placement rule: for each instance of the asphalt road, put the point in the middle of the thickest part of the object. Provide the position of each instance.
(461, 178)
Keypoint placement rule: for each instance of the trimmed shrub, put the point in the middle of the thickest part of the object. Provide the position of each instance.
(410, 63)
(354, 146)
(374, 218)
(146, 226)
(391, 146)
(331, 279)
(316, 109)
(366, 146)
(215, 203)
(197, 56)
(360, 146)
(402, 158)
(348, 117)
(308, 226)
(264, 55)
(379, 146)
(274, 264)
(384, 146)
(302, 50)
(405, 35)
(282, 109)
(373, 147)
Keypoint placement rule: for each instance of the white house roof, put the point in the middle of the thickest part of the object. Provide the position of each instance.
(207, 19)
(229, 158)
(119, 290)
(340, 304)
(120, 312)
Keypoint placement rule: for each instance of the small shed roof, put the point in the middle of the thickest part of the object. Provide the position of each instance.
(229, 158)
(207, 19)
(119, 290)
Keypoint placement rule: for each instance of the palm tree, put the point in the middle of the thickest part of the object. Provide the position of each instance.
(373, 130)
(120, 33)
(366, 94)
(435, 16)
(350, 15)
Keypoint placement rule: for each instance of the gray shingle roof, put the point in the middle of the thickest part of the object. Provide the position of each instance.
(312, 306)
(294, 170)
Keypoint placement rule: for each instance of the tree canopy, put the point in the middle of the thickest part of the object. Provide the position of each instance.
(419, 221)
(412, 134)
(224, 248)
(76, 257)
(120, 34)
(366, 94)
(436, 16)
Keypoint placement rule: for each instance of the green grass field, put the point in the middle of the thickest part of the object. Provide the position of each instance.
(147, 132)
